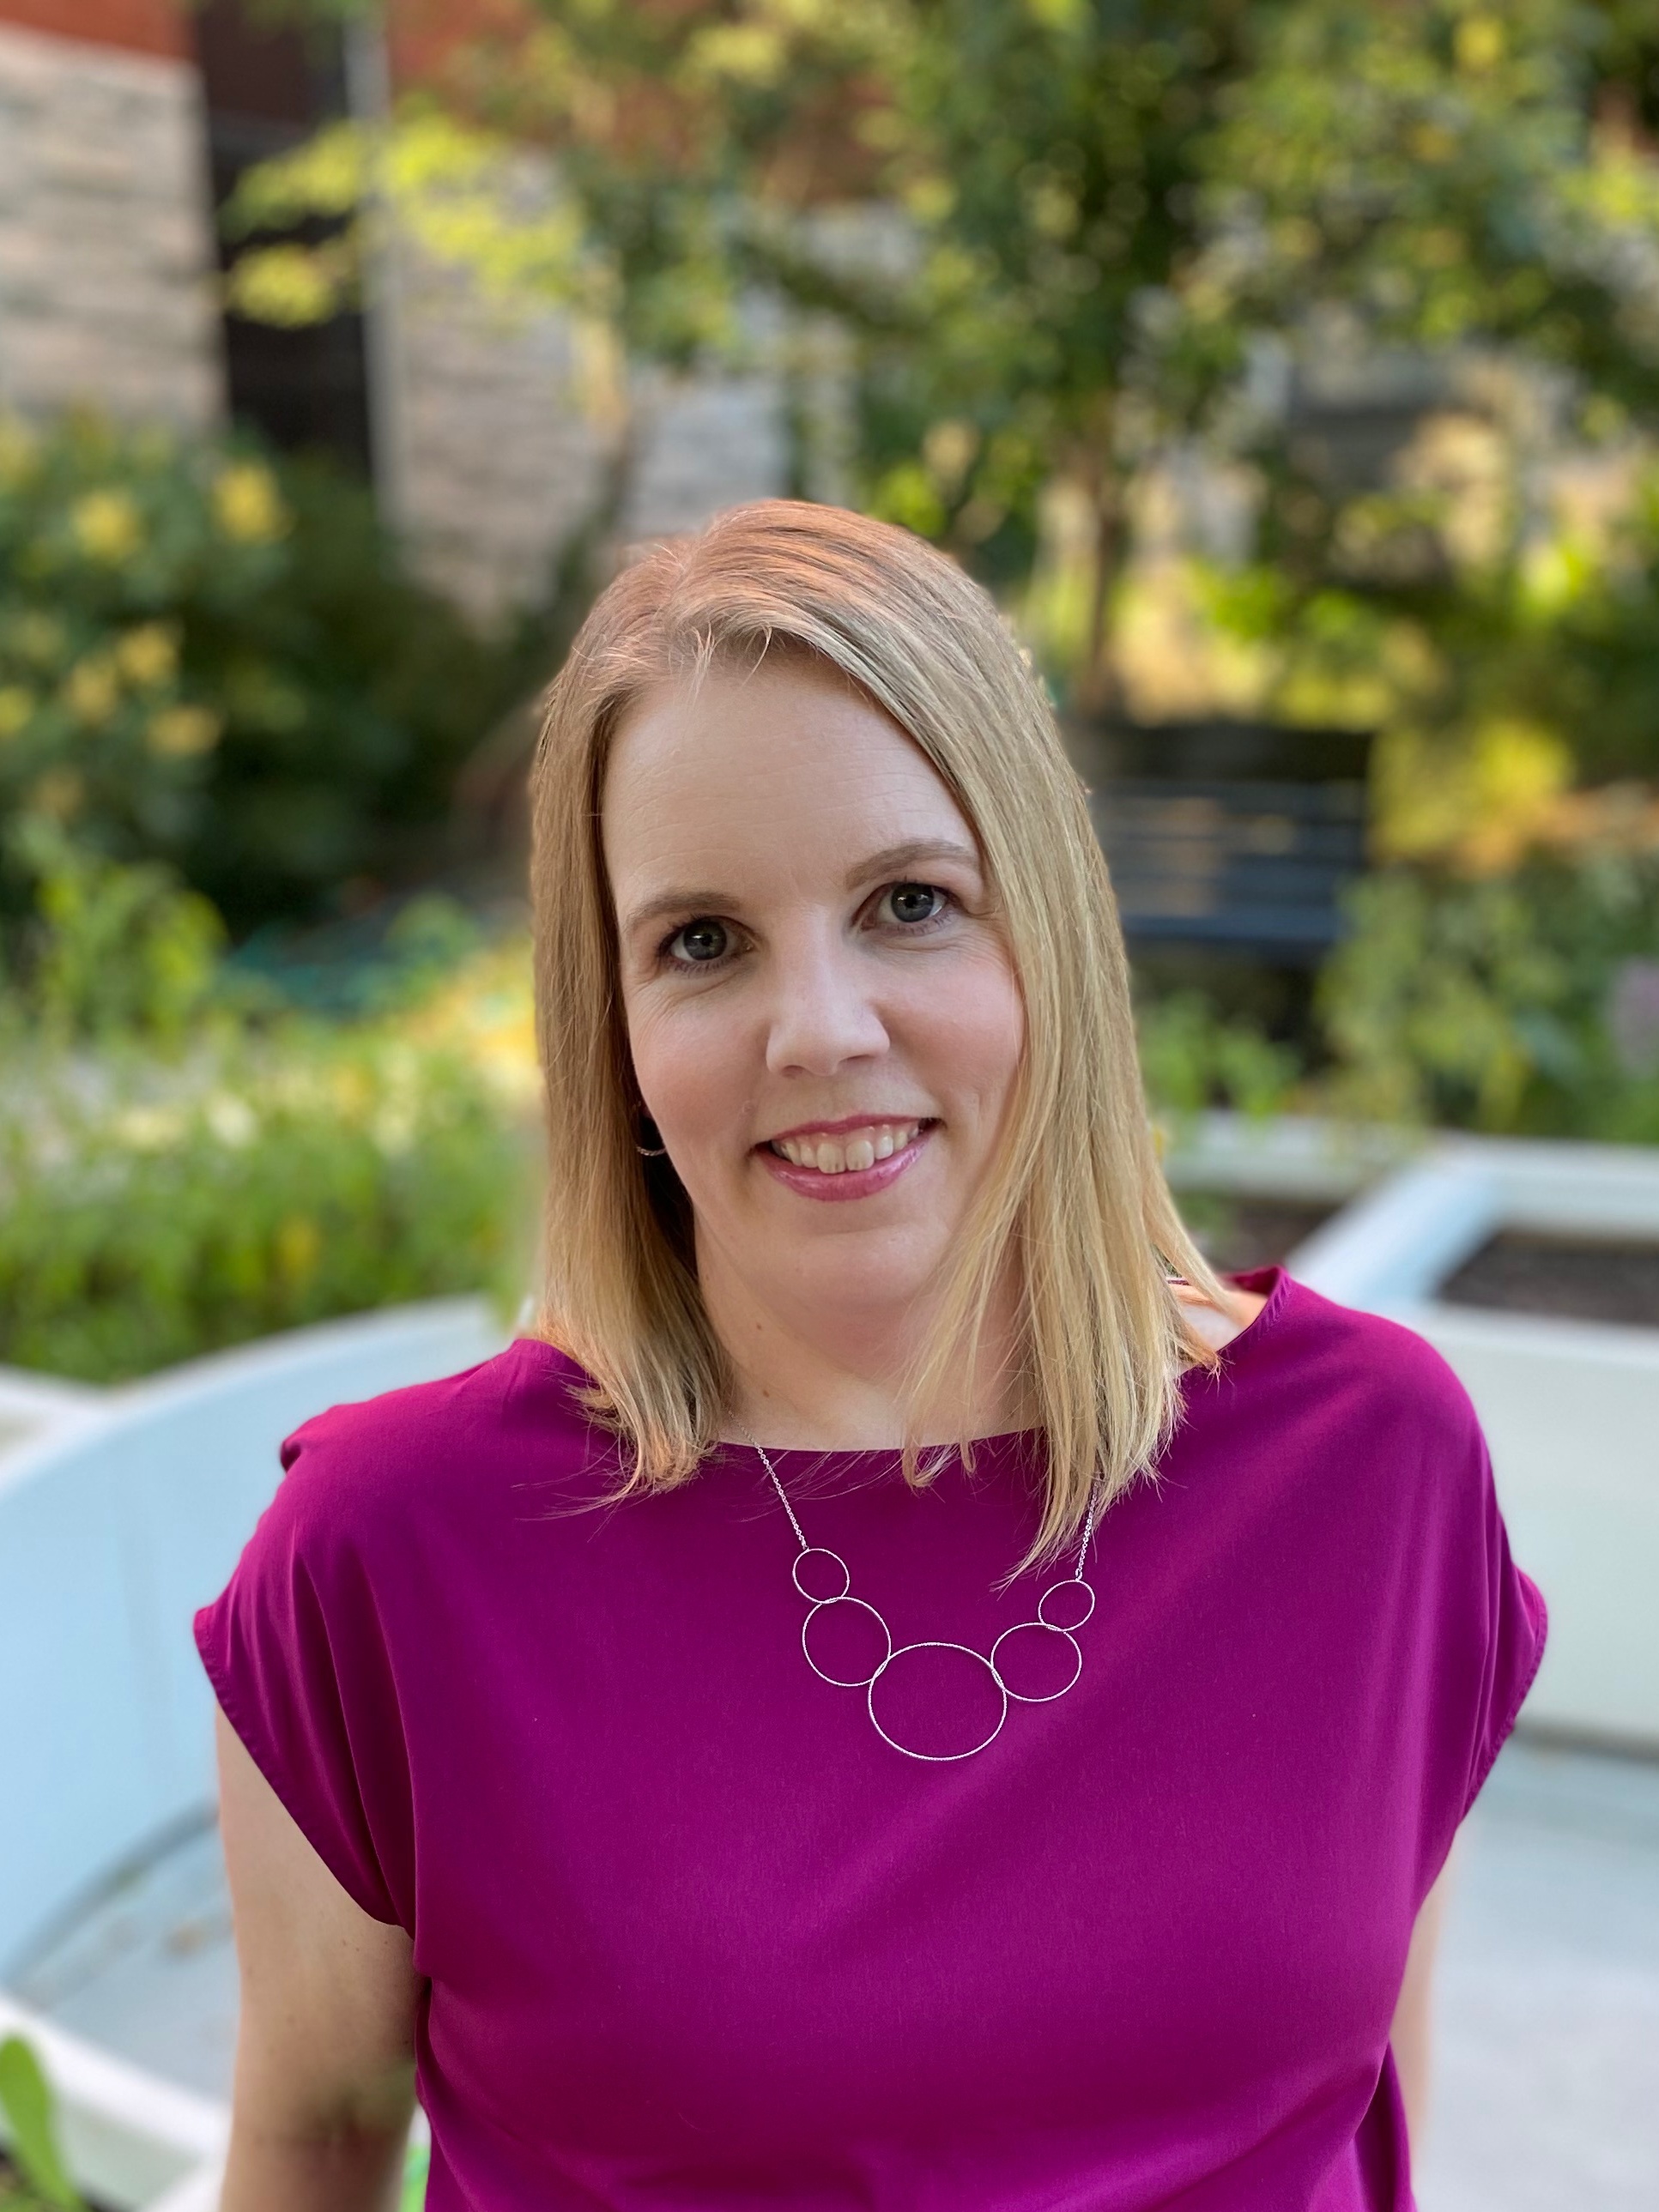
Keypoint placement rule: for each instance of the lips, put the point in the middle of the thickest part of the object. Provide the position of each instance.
(838, 1147)
(856, 1159)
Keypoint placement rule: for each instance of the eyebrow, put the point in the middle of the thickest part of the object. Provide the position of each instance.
(891, 861)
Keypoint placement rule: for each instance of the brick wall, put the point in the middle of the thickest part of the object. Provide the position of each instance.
(137, 26)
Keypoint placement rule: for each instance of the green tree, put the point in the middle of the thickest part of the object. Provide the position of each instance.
(1454, 183)
(1053, 233)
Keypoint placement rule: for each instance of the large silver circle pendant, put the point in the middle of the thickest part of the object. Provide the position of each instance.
(937, 1758)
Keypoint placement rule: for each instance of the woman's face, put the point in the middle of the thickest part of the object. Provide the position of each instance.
(825, 1020)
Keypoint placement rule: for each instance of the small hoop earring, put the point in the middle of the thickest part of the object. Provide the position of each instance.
(650, 1151)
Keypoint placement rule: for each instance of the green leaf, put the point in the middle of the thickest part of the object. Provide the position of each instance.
(25, 2098)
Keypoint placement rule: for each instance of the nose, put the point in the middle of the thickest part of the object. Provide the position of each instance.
(822, 1015)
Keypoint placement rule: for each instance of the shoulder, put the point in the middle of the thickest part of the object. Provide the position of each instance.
(1335, 1386)
(1363, 1393)
(431, 1448)
(1373, 1352)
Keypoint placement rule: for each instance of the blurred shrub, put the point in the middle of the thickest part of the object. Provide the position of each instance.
(212, 656)
(1524, 1003)
(1192, 1058)
(370, 963)
(113, 949)
(185, 1164)
(150, 1212)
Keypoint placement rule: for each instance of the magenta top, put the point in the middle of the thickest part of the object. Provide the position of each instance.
(693, 1935)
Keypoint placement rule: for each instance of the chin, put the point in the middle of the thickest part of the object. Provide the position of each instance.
(867, 1270)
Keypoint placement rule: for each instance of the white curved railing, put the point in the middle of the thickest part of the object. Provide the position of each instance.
(116, 1521)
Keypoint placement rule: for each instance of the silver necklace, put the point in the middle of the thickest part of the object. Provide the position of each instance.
(1080, 1610)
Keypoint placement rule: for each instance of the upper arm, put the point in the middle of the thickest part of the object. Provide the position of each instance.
(328, 1993)
(1410, 2032)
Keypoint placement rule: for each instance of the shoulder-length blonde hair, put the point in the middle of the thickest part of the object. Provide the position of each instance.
(1074, 1195)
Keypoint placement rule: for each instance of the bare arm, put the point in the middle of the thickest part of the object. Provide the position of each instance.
(1410, 2036)
(324, 2054)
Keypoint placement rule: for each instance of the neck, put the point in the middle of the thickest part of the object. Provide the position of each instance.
(805, 1378)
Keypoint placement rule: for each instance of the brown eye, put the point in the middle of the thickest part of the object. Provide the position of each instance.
(700, 940)
(914, 902)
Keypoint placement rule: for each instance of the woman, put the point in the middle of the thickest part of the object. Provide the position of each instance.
(906, 1691)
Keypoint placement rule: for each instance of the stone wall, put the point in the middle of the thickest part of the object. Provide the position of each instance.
(486, 458)
(106, 249)
(492, 460)
(706, 442)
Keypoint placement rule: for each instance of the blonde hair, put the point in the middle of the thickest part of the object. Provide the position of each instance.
(1074, 1195)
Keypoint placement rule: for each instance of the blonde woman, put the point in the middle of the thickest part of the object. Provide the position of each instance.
(906, 1691)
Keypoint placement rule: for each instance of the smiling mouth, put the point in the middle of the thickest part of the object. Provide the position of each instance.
(849, 1150)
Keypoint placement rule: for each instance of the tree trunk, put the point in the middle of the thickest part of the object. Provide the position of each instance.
(1095, 471)
(1098, 688)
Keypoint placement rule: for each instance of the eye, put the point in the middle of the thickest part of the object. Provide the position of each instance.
(914, 903)
(699, 942)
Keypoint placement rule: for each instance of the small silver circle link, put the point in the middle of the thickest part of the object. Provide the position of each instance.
(1047, 1628)
(1068, 1627)
(846, 1681)
(935, 1757)
(816, 1597)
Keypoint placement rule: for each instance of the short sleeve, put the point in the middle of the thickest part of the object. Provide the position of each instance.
(294, 1649)
(1516, 1625)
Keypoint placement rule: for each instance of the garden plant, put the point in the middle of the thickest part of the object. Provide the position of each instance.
(215, 658)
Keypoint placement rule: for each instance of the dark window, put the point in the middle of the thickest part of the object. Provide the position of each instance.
(267, 88)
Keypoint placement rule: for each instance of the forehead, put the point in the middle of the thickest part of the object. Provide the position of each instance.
(775, 766)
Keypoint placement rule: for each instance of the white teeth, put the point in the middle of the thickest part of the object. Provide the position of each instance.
(862, 1148)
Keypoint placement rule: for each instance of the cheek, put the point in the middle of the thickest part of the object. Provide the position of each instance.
(683, 1063)
(977, 1027)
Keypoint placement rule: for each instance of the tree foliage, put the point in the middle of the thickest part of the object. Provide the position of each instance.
(1053, 234)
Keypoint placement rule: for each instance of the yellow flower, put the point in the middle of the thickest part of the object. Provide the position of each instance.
(181, 733)
(247, 505)
(17, 706)
(149, 654)
(107, 527)
(299, 1248)
(1480, 42)
(93, 691)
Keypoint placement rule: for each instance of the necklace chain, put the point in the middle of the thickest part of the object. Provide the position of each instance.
(816, 1604)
